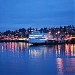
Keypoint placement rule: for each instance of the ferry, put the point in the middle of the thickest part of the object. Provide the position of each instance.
(37, 38)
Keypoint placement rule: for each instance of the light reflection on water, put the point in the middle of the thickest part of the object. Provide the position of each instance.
(37, 60)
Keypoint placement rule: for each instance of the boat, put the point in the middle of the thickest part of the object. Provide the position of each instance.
(37, 38)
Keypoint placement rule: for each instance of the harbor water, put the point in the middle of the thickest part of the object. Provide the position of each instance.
(22, 59)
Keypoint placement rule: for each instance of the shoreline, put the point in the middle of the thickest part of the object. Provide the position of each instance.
(49, 43)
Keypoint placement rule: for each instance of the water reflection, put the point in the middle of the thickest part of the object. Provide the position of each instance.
(36, 51)
(58, 56)
(13, 46)
(60, 66)
(65, 50)
(70, 50)
(65, 66)
(13, 49)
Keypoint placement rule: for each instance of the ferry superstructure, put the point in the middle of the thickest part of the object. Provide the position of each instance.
(39, 38)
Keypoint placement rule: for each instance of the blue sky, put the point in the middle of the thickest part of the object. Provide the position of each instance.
(35, 13)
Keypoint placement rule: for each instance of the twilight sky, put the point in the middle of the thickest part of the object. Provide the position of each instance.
(16, 14)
